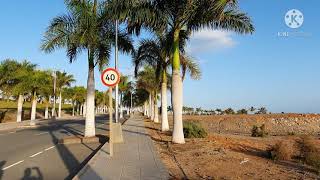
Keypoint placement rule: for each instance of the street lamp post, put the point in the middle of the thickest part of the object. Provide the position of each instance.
(116, 67)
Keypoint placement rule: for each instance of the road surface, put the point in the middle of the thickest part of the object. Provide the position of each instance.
(34, 154)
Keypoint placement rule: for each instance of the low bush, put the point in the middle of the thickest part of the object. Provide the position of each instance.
(283, 150)
(193, 130)
(291, 133)
(310, 152)
(257, 131)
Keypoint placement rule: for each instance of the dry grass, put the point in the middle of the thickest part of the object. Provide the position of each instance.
(283, 150)
(310, 152)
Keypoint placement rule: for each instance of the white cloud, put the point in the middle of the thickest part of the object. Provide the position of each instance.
(206, 41)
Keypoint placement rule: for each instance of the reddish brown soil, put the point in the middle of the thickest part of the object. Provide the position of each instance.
(226, 156)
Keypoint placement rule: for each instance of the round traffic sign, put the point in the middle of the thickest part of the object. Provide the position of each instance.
(110, 77)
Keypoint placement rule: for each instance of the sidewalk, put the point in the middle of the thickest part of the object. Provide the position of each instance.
(136, 158)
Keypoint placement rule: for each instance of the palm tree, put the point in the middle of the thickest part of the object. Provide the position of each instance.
(85, 28)
(123, 86)
(79, 97)
(156, 52)
(63, 80)
(180, 19)
(70, 93)
(147, 80)
(12, 77)
(36, 84)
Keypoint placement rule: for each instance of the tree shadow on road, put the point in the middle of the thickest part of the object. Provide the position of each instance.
(2, 163)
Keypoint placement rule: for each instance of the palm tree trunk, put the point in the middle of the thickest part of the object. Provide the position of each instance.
(73, 108)
(60, 104)
(164, 104)
(84, 111)
(156, 113)
(81, 109)
(46, 112)
(33, 109)
(121, 108)
(145, 108)
(19, 109)
(151, 107)
(177, 97)
(90, 117)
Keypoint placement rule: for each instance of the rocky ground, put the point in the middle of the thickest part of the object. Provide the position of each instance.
(232, 153)
(276, 124)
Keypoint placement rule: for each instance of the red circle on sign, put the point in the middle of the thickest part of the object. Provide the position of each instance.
(107, 70)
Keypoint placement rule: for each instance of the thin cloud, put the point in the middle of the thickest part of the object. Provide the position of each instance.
(206, 41)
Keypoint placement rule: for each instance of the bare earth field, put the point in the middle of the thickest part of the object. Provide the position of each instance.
(233, 153)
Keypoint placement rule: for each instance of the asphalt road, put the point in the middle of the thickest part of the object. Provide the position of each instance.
(34, 154)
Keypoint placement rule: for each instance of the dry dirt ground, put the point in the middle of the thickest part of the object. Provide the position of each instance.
(226, 155)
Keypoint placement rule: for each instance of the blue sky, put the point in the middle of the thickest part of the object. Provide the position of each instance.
(263, 69)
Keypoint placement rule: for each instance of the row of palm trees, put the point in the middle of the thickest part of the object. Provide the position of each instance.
(89, 26)
(23, 81)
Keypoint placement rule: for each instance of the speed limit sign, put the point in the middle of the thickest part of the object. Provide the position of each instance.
(110, 77)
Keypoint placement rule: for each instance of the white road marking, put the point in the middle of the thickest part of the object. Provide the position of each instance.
(12, 165)
(7, 133)
(36, 154)
(49, 148)
(41, 133)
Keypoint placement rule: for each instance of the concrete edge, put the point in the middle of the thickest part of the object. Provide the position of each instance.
(90, 162)
(93, 159)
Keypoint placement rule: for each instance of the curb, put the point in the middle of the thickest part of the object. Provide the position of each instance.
(94, 158)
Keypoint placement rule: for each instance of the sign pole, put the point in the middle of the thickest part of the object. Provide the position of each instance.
(116, 67)
(110, 122)
(110, 77)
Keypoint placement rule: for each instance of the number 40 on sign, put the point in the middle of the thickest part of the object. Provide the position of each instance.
(110, 77)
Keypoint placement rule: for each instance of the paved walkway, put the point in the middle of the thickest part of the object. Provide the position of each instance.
(136, 158)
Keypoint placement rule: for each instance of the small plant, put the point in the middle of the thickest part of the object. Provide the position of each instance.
(283, 150)
(193, 130)
(291, 133)
(259, 131)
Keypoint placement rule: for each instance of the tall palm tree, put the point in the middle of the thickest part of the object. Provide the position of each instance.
(147, 80)
(181, 18)
(63, 80)
(85, 28)
(156, 52)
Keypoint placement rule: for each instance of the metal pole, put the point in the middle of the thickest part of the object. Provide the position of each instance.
(116, 67)
(110, 122)
(54, 95)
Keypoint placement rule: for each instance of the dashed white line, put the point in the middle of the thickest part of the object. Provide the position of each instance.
(41, 133)
(7, 133)
(49, 148)
(12, 165)
(36, 154)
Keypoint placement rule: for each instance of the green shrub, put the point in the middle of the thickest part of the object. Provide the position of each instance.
(193, 130)
(259, 131)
